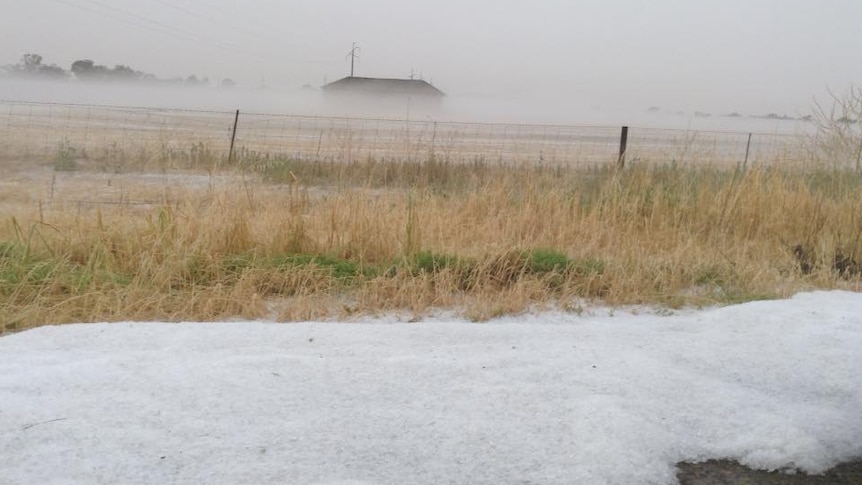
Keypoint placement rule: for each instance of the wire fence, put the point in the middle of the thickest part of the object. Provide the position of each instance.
(29, 130)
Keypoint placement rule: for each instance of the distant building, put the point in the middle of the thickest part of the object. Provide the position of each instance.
(383, 87)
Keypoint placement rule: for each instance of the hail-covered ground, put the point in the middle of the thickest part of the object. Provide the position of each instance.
(600, 397)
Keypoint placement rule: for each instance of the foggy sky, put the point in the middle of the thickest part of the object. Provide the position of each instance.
(754, 56)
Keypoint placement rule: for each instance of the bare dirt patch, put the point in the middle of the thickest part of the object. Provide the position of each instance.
(726, 472)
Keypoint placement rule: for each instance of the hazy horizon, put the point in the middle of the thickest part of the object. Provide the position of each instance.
(589, 56)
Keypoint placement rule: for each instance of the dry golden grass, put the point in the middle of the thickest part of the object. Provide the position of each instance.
(309, 240)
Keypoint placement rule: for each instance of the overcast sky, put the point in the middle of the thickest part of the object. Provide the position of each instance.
(718, 55)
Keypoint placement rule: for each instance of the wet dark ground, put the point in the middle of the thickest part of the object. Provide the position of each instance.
(725, 472)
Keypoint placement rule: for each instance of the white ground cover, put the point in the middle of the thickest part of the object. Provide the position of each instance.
(550, 398)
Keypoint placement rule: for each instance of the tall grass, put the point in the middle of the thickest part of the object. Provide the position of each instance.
(289, 239)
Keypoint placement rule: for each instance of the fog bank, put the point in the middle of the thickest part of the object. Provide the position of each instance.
(526, 108)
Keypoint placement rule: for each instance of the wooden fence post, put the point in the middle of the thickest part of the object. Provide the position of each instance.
(624, 139)
(232, 138)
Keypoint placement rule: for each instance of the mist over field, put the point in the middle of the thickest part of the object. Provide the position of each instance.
(663, 64)
(535, 109)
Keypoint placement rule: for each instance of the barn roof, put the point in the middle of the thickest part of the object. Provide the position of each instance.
(381, 86)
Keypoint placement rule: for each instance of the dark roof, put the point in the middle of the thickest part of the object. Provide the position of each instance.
(371, 85)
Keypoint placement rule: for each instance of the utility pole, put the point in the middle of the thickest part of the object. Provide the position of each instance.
(353, 54)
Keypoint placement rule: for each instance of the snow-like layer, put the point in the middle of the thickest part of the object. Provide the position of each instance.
(540, 399)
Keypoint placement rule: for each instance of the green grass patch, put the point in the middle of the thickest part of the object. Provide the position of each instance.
(430, 262)
(341, 269)
(542, 261)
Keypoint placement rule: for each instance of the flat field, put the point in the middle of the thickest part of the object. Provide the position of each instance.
(193, 236)
(123, 136)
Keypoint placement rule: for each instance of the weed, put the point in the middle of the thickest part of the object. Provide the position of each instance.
(66, 158)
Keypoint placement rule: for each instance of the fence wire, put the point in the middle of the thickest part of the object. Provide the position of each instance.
(40, 130)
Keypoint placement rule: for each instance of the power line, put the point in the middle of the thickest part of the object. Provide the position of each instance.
(136, 21)
(234, 26)
(127, 17)
(214, 21)
(130, 18)
(262, 25)
(136, 16)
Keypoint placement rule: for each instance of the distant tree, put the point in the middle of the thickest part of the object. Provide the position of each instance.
(81, 66)
(87, 70)
(125, 73)
(31, 66)
(53, 71)
(31, 62)
(227, 83)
